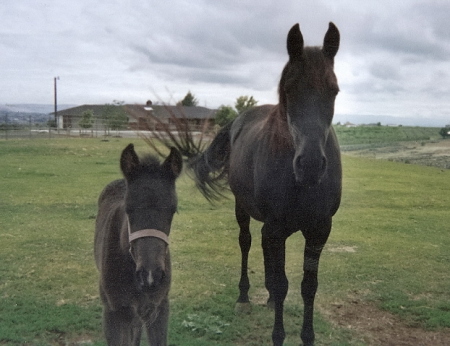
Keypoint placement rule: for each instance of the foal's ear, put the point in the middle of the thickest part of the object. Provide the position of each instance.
(331, 41)
(128, 161)
(173, 163)
(295, 43)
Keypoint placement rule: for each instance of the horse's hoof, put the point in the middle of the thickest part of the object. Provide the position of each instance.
(243, 308)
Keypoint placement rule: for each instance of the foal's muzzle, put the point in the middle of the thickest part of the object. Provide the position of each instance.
(146, 278)
(149, 280)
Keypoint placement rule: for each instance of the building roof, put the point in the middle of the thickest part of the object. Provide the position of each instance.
(192, 112)
(137, 111)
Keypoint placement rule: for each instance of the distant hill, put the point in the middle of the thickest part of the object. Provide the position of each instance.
(390, 120)
(23, 113)
(32, 108)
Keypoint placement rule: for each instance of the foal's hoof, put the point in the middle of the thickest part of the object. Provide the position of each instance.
(243, 308)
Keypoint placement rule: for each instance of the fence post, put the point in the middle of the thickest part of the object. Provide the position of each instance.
(31, 126)
(6, 126)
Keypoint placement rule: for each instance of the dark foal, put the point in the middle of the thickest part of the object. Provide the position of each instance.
(132, 251)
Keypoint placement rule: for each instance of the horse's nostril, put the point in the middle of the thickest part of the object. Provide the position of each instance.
(298, 161)
(324, 164)
(149, 279)
(158, 276)
(142, 278)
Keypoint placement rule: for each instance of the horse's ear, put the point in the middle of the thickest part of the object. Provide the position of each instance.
(331, 41)
(173, 163)
(295, 43)
(128, 161)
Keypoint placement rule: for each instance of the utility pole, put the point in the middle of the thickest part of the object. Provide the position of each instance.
(56, 102)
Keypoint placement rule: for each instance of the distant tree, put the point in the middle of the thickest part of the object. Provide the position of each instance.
(444, 132)
(87, 119)
(224, 115)
(51, 123)
(189, 100)
(244, 103)
(114, 116)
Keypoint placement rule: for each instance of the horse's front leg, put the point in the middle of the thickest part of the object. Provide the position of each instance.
(118, 325)
(274, 248)
(314, 243)
(136, 331)
(157, 324)
(245, 242)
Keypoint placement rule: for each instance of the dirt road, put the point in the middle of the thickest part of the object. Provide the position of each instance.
(434, 153)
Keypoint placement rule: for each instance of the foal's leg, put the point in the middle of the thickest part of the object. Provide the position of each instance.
(117, 326)
(157, 324)
(273, 244)
(136, 331)
(314, 242)
(245, 242)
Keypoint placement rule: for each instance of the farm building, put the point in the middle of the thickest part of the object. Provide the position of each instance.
(140, 117)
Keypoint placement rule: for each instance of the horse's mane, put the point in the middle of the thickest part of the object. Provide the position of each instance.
(150, 161)
(277, 129)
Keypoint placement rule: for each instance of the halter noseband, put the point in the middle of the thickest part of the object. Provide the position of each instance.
(143, 233)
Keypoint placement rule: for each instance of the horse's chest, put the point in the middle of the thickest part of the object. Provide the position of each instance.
(296, 206)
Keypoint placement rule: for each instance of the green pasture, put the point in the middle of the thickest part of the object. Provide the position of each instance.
(383, 135)
(394, 218)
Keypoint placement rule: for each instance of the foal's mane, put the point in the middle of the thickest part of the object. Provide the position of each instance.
(149, 165)
(318, 73)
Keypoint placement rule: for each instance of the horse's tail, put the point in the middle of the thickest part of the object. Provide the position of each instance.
(207, 167)
(210, 168)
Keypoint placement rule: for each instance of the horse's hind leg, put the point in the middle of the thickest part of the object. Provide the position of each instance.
(314, 242)
(245, 242)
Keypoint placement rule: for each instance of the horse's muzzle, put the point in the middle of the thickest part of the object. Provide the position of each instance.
(309, 171)
(149, 280)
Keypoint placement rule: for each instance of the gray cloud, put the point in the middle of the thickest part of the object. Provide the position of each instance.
(391, 53)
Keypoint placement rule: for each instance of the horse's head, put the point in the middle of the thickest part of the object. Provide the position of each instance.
(308, 88)
(150, 204)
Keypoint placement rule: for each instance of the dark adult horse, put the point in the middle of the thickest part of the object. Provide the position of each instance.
(131, 248)
(283, 166)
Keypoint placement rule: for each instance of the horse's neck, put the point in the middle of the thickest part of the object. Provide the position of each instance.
(277, 130)
(119, 228)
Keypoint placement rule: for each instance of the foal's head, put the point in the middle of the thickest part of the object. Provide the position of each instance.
(308, 88)
(150, 204)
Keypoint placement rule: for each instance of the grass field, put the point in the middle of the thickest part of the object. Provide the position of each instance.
(389, 247)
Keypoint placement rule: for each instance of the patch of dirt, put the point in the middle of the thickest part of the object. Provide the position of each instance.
(435, 153)
(377, 327)
(342, 248)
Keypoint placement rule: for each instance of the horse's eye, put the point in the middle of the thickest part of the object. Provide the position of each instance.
(334, 91)
(289, 86)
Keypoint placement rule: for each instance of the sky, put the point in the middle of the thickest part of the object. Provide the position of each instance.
(394, 56)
